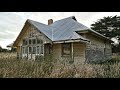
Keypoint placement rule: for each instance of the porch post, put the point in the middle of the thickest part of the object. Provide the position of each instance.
(72, 50)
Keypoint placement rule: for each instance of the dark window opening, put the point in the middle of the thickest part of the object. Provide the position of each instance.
(30, 50)
(24, 42)
(34, 41)
(29, 41)
(41, 51)
(49, 49)
(38, 41)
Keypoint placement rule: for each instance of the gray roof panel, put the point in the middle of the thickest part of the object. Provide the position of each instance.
(43, 28)
(63, 29)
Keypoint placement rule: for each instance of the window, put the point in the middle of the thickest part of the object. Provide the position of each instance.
(30, 50)
(66, 49)
(48, 48)
(24, 42)
(41, 51)
(38, 41)
(26, 50)
(29, 41)
(34, 50)
(38, 49)
(34, 41)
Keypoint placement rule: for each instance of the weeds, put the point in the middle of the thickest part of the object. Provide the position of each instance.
(10, 67)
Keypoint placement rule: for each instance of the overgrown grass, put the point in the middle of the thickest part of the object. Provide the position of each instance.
(10, 67)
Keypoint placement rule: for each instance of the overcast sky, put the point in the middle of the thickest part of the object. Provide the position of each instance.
(11, 23)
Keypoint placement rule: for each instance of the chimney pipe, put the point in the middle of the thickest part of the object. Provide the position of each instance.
(50, 21)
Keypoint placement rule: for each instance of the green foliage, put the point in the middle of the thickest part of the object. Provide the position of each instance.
(108, 26)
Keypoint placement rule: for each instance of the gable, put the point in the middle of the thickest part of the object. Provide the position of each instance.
(27, 30)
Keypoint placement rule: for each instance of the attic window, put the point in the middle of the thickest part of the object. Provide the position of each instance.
(24, 42)
(66, 49)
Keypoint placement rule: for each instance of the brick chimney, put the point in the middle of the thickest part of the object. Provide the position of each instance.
(50, 21)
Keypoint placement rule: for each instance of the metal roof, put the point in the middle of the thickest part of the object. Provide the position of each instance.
(63, 29)
(47, 30)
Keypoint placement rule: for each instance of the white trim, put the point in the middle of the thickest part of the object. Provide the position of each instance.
(68, 41)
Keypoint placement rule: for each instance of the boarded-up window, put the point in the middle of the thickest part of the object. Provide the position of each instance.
(66, 49)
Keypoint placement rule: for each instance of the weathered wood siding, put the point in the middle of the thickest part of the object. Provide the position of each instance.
(26, 35)
(98, 49)
(78, 53)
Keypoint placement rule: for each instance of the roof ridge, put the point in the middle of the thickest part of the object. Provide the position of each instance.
(29, 20)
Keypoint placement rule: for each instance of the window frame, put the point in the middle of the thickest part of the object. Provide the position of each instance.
(63, 46)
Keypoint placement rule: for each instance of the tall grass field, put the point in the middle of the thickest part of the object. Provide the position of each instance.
(10, 67)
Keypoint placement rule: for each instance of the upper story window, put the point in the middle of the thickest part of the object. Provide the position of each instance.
(30, 41)
(39, 41)
(34, 41)
(24, 42)
(66, 49)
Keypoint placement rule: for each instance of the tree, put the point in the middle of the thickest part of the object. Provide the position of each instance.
(110, 27)
(0, 49)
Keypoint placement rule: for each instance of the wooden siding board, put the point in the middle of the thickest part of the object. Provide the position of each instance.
(98, 50)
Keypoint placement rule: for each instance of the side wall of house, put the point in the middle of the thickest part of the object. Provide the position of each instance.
(78, 55)
(98, 49)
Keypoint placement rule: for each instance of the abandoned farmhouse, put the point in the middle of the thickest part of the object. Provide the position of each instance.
(62, 39)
